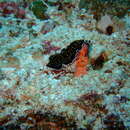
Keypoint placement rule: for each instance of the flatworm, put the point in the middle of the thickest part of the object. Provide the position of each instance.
(67, 55)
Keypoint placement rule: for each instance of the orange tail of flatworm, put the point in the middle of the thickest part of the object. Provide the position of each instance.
(81, 62)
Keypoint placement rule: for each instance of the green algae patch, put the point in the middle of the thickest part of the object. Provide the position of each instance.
(39, 8)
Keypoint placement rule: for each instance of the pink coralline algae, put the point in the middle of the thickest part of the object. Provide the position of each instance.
(8, 8)
(48, 47)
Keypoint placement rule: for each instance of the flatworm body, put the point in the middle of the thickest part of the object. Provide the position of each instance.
(67, 55)
(81, 62)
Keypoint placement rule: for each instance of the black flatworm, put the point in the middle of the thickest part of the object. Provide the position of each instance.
(67, 55)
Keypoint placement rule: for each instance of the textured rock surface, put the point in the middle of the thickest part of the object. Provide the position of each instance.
(29, 90)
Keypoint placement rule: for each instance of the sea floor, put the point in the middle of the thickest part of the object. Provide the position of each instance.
(32, 96)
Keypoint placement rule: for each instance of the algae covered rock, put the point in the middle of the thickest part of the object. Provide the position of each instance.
(39, 8)
(101, 7)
